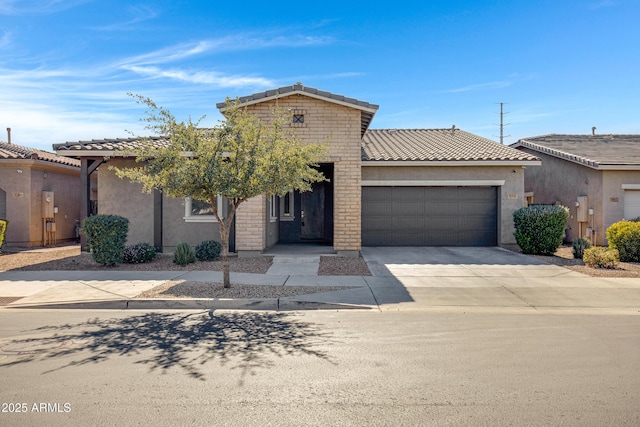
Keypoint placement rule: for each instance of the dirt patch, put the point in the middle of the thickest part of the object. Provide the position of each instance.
(193, 289)
(564, 257)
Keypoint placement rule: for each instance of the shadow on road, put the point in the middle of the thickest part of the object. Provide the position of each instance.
(244, 341)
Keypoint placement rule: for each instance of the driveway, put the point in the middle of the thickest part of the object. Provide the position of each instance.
(488, 279)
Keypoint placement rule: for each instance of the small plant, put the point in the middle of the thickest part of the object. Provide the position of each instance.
(138, 253)
(600, 257)
(625, 237)
(208, 250)
(3, 231)
(579, 246)
(184, 254)
(106, 235)
(539, 228)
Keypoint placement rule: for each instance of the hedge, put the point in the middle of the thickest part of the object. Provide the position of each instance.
(539, 228)
(106, 235)
(625, 237)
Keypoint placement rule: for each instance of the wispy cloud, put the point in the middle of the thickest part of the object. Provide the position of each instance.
(201, 77)
(224, 44)
(139, 14)
(37, 7)
(481, 86)
(5, 39)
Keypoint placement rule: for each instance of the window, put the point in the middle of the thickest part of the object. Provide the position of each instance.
(199, 211)
(297, 119)
(286, 207)
(273, 208)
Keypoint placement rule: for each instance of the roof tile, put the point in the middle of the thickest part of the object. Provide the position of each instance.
(12, 151)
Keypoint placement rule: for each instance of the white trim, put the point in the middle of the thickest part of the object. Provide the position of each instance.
(291, 215)
(631, 186)
(202, 218)
(273, 212)
(441, 163)
(433, 183)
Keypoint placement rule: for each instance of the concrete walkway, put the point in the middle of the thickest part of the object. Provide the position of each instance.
(441, 279)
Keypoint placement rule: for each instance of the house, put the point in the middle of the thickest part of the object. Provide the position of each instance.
(39, 196)
(596, 176)
(384, 187)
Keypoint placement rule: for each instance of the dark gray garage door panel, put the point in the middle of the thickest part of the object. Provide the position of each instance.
(429, 216)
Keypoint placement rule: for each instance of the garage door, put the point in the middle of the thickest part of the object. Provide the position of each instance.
(631, 204)
(429, 216)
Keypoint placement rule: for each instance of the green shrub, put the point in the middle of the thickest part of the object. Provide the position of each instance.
(3, 231)
(184, 254)
(599, 257)
(106, 235)
(539, 228)
(138, 253)
(579, 246)
(208, 250)
(625, 237)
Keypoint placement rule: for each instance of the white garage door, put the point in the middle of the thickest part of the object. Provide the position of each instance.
(631, 204)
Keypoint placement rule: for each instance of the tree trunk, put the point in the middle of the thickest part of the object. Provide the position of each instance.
(224, 236)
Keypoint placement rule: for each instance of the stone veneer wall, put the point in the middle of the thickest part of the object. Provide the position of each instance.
(323, 122)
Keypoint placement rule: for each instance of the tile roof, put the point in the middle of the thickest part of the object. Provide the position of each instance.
(596, 151)
(368, 110)
(435, 145)
(108, 144)
(18, 152)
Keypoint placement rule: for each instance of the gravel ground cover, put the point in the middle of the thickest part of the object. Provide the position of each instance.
(564, 257)
(70, 258)
(193, 289)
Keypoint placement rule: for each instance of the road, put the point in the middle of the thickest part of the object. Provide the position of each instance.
(76, 367)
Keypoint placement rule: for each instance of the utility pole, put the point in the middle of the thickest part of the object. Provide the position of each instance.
(502, 125)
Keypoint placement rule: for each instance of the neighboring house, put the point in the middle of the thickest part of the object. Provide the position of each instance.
(596, 176)
(443, 187)
(38, 188)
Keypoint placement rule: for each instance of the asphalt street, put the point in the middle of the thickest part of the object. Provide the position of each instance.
(445, 367)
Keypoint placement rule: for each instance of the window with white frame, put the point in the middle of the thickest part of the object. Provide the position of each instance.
(199, 211)
(286, 207)
(273, 208)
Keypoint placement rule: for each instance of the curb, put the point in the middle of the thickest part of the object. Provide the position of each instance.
(259, 304)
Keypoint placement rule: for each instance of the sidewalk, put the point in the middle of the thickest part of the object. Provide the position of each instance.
(432, 279)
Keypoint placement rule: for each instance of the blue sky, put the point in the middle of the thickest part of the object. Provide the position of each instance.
(561, 66)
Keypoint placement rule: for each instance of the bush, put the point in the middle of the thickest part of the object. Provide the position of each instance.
(539, 228)
(579, 246)
(106, 235)
(208, 250)
(599, 257)
(625, 237)
(138, 253)
(3, 231)
(184, 254)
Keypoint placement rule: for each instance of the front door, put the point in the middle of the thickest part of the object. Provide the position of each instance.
(312, 213)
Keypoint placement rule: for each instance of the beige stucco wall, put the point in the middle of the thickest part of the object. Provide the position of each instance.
(613, 194)
(324, 122)
(511, 194)
(563, 181)
(24, 199)
(121, 197)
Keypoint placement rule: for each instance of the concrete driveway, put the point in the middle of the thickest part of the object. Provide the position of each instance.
(488, 279)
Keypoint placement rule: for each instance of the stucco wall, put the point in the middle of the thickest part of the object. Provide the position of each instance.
(613, 197)
(511, 194)
(24, 199)
(562, 181)
(121, 197)
(176, 230)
